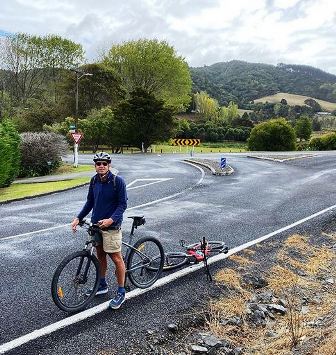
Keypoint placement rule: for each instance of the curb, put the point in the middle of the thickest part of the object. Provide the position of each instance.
(43, 194)
(260, 157)
(219, 172)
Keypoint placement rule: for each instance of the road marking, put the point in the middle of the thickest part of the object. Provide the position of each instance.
(162, 281)
(153, 181)
(128, 209)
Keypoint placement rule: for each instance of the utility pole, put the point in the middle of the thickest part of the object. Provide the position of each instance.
(79, 75)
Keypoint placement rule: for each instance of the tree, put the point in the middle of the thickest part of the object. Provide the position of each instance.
(229, 113)
(30, 60)
(273, 135)
(206, 107)
(153, 66)
(60, 53)
(313, 104)
(9, 153)
(303, 128)
(143, 120)
(95, 92)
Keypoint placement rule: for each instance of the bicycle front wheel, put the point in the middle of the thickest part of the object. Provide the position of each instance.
(175, 260)
(75, 281)
(145, 262)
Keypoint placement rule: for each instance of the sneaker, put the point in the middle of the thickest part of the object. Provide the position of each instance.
(101, 291)
(118, 300)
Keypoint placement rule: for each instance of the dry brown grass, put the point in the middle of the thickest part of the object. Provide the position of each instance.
(291, 329)
(240, 260)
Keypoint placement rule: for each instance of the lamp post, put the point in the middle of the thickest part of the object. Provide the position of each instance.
(79, 75)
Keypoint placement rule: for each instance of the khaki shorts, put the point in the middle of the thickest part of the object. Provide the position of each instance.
(112, 240)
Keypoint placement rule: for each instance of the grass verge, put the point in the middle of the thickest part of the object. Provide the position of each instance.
(17, 191)
(69, 169)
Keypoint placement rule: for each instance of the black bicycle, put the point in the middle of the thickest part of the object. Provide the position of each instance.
(194, 253)
(76, 279)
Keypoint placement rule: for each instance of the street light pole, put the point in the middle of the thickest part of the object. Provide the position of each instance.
(79, 75)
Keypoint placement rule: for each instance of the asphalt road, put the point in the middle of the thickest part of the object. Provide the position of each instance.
(262, 196)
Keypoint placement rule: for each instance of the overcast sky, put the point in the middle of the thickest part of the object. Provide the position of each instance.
(202, 31)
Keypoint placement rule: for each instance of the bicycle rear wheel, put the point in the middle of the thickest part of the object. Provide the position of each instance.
(175, 260)
(75, 281)
(145, 262)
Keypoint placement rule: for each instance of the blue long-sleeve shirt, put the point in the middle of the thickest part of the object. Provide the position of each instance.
(106, 199)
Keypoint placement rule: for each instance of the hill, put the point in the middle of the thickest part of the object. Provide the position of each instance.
(243, 82)
(293, 100)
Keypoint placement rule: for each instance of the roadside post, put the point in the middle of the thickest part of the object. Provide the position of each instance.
(222, 163)
(77, 137)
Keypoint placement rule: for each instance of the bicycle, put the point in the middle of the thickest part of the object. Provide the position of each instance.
(76, 279)
(194, 254)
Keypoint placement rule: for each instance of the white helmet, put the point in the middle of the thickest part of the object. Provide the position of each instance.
(102, 156)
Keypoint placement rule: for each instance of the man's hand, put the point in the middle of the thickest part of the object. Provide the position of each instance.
(74, 224)
(105, 223)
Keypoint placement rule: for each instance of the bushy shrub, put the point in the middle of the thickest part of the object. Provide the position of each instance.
(273, 135)
(325, 142)
(41, 153)
(9, 153)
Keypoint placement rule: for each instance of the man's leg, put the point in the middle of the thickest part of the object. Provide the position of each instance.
(102, 260)
(120, 267)
(119, 299)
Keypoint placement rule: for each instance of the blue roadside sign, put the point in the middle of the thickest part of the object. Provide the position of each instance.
(223, 163)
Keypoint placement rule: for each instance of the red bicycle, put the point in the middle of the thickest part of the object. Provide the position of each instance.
(194, 253)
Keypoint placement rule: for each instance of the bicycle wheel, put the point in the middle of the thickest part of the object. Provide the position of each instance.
(212, 246)
(175, 260)
(145, 262)
(75, 281)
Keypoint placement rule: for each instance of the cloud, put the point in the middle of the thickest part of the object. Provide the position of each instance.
(202, 31)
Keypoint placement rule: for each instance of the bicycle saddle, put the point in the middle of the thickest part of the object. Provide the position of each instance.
(138, 220)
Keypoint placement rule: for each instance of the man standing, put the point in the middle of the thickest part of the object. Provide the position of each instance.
(107, 199)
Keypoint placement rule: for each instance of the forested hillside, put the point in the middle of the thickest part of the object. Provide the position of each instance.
(243, 82)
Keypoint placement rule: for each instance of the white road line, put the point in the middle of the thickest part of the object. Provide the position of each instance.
(163, 281)
(153, 181)
(128, 209)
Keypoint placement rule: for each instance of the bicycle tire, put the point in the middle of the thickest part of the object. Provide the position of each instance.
(175, 260)
(145, 262)
(67, 280)
(214, 246)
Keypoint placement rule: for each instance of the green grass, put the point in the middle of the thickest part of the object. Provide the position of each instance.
(203, 148)
(27, 190)
(68, 169)
(163, 148)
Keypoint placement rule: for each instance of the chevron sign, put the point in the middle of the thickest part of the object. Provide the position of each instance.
(186, 141)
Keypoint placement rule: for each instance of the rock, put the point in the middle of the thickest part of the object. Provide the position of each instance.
(150, 331)
(304, 309)
(196, 349)
(212, 341)
(258, 318)
(317, 300)
(277, 308)
(172, 327)
(271, 334)
(301, 273)
(255, 281)
(232, 321)
(236, 351)
(265, 297)
(330, 281)
(283, 302)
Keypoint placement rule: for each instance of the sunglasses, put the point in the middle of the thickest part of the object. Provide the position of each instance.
(99, 163)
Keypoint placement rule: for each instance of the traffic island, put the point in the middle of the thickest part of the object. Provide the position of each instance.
(213, 165)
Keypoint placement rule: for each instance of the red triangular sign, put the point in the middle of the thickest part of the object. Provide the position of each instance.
(77, 137)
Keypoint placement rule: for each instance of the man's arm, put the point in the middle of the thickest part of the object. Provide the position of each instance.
(86, 208)
(122, 199)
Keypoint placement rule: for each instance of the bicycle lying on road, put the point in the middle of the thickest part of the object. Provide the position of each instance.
(76, 279)
(194, 253)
